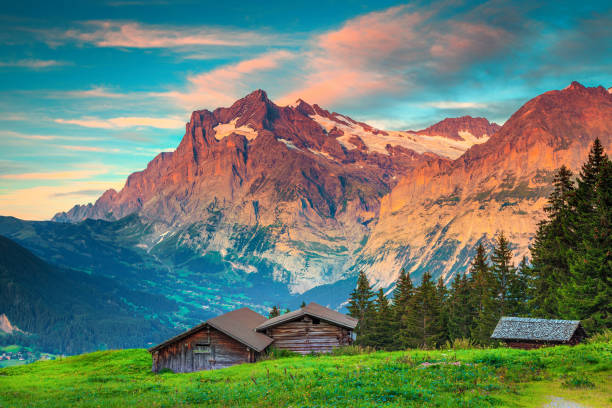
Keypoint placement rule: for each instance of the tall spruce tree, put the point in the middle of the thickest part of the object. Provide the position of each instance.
(587, 294)
(424, 328)
(504, 273)
(382, 330)
(460, 308)
(361, 307)
(549, 252)
(483, 294)
(442, 299)
(402, 303)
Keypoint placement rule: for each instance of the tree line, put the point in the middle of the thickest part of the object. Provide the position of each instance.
(569, 275)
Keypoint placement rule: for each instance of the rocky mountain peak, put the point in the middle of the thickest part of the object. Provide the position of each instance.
(459, 128)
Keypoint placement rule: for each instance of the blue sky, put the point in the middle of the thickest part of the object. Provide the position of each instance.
(91, 91)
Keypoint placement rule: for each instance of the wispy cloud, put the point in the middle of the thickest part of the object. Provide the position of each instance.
(88, 192)
(96, 149)
(225, 84)
(33, 136)
(130, 34)
(56, 175)
(456, 105)
(32, 63)
(125, 122)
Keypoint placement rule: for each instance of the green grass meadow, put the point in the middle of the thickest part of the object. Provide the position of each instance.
(416, 378)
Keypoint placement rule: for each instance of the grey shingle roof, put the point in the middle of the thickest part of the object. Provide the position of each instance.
(522, 328)
(314, 310)
(238, 324)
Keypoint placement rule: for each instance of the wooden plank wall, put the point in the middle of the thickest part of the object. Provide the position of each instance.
(225, 351)
(305, 337)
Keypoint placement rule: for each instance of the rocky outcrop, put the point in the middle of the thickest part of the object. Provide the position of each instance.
(6, 326)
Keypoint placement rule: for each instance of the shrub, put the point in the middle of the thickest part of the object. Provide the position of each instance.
(275, 353)
(352, 350)
(578, 382)
(601, 337)
(460, 344)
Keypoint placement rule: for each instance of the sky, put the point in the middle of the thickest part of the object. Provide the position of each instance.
(91, 91)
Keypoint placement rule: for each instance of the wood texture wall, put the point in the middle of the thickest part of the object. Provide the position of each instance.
(225, 351)
(305, 337)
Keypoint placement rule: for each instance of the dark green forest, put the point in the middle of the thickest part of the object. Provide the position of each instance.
(64, 311)
(569, 276)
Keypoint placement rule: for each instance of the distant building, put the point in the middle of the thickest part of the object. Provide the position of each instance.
(527, 333)
(241, 336)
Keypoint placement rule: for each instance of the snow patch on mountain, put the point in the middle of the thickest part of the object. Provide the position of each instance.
(225, 129)
(377, 140)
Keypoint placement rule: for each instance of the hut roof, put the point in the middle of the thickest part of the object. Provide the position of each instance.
(522, 328)
(238, 324)
(314, 310)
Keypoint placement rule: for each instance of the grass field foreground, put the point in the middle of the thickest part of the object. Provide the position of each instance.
(440, 378)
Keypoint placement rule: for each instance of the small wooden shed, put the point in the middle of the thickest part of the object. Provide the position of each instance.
(220, 342)
(527, 333)
(311, 329)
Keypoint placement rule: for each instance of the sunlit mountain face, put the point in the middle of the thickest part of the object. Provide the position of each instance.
(389, 136)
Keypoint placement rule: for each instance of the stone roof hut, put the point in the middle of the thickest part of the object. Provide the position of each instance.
(527, 333)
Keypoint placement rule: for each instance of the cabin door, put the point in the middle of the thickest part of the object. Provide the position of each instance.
(201, 357)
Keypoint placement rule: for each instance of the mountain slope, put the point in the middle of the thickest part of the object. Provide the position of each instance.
(435, 216)
(66, 311)
(270, 189)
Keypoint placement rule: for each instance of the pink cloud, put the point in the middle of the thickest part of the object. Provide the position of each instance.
(389, 52)
(125, 122)
(222, 86)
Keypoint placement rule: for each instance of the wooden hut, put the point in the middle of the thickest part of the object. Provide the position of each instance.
(526, 333)
(311, 329)
(220, 342)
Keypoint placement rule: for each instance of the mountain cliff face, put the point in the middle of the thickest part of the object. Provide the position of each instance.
(308, 197)
(295, 187)
(436, 215)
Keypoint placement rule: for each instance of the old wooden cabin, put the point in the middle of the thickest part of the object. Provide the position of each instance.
(311, 329)
(527, 333)
(241, 336)
(220, 342)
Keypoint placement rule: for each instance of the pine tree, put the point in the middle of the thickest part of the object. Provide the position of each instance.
(442, 299)
(587, 294)
(460, 309)
(361, 307)
(274, 312)
(382, 330)
(549, 252)
(424, 327)
(504, 273)
(402, 303)
(518, 295)
(483, 294)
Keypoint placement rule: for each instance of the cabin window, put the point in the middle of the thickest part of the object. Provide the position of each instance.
(316, 321)
(202, 349)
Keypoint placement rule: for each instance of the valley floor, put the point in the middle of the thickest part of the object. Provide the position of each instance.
(443, 378)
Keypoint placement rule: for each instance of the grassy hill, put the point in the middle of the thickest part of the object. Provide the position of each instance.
(443, 378)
